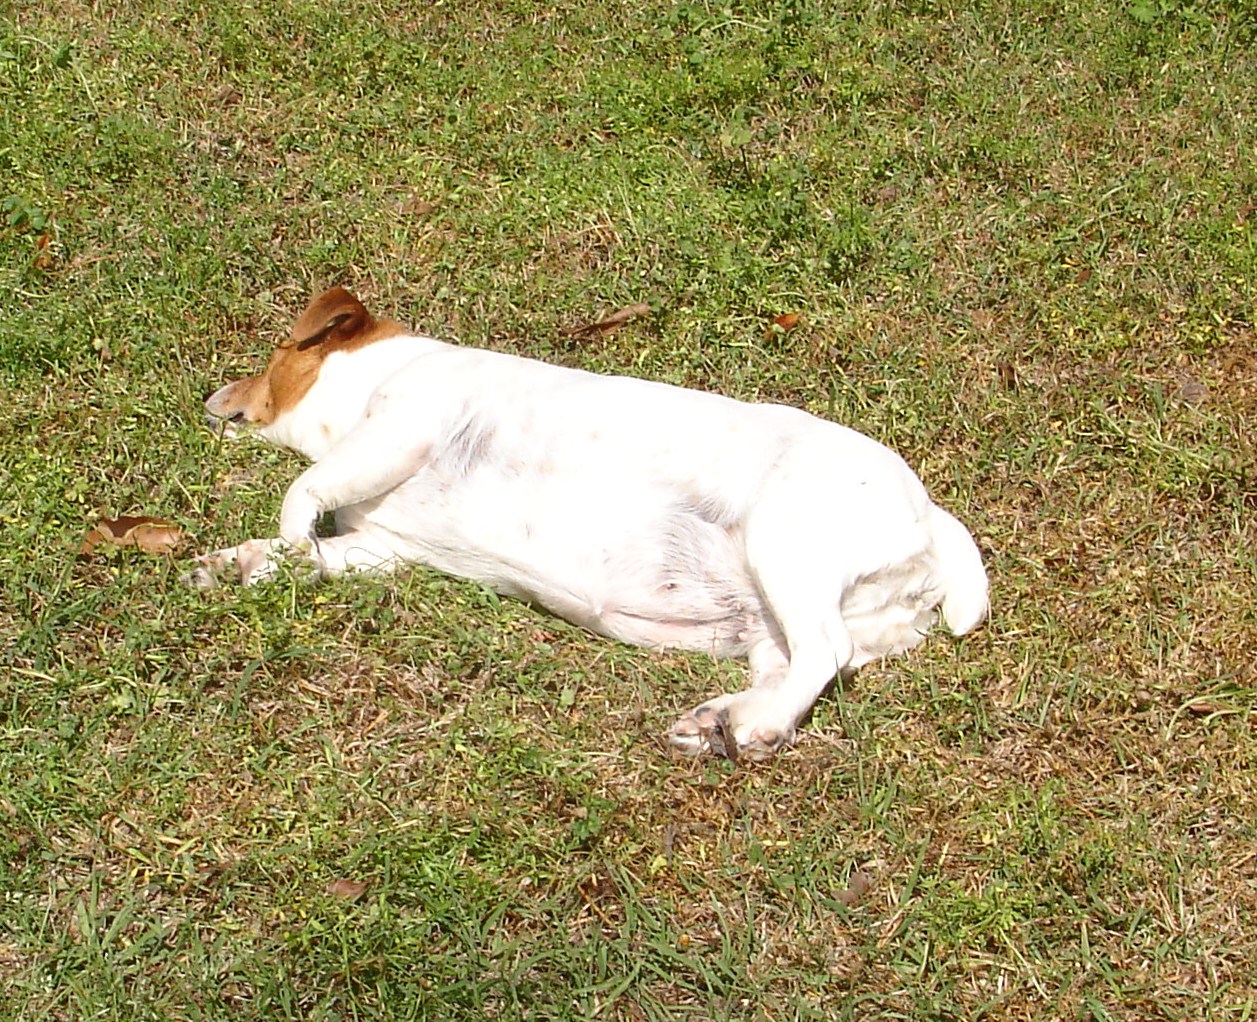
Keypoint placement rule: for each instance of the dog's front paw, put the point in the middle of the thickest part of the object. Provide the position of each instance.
(253, 561)
(258, 560)
(297, 520)
(210, 569)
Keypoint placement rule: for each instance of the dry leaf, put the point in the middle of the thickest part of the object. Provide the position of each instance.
(415, 206)
(1192, 391)
(152, 535)
(787, 321)
(348, 890)
(227, 95)
(45, 258)
(616, 320)
(1008, 376)
(857, 887)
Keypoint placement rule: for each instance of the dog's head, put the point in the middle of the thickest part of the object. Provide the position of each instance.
(335, 322)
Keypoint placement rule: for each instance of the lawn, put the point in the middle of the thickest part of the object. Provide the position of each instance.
(1015, 241)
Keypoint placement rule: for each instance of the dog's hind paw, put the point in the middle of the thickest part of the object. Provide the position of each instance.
(703, 732)
(710, 730)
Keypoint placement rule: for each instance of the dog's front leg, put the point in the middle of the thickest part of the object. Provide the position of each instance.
(257, 560)
(364, 465)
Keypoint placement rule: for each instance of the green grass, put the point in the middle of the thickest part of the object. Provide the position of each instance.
(1021, 239)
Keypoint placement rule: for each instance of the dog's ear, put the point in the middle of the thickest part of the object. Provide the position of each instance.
(333, 315)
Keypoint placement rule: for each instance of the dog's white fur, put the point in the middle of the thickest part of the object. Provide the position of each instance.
(659, 516)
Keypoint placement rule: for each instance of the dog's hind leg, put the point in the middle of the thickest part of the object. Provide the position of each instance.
(808, 644)
(705, 729)
(755, 723)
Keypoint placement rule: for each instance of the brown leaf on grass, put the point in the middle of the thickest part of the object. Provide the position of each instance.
(616, 320)
(888, 193)
(1193, 392)
(1008, 376)
(787, 321)
(226, 95)
(413, 205)
(45, 258)
(857, 887)
(152, 535)
(1205, 708)
(347, 890)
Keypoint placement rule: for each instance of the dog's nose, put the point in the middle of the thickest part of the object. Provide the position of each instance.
(227, 425)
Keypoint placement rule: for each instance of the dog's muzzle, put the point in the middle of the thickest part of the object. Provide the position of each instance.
(230, 428)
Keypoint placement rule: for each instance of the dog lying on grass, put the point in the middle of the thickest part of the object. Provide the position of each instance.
(652, 514)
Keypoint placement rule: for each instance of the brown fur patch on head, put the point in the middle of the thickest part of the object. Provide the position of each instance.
(333, 316)
(334, 321)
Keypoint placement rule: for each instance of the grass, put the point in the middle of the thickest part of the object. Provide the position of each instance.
(1020, 238)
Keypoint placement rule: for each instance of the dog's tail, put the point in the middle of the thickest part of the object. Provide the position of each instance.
(965, 603)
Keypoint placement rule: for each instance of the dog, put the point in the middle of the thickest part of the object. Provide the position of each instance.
(656, 515)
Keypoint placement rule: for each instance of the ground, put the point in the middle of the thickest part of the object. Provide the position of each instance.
(1014, 241)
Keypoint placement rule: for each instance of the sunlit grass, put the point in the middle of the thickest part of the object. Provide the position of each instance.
(1020, 243)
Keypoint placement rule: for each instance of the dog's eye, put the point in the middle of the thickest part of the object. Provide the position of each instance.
(238, 417)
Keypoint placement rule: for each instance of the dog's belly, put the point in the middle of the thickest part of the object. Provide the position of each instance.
(630, 562)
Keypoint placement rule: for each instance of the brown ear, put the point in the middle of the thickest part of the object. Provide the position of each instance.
(335, 314)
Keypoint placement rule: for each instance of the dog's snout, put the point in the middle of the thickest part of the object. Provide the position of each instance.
(226, 425)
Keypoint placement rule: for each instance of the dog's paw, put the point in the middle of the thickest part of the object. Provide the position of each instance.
(209, 569)
(729, 726)
(258, 560)
(253, 561)
(203, 576)
(702, 732)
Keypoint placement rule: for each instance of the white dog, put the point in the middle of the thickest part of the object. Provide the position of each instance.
(655, 515)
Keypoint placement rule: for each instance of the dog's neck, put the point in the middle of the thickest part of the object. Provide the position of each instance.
(339, 396)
